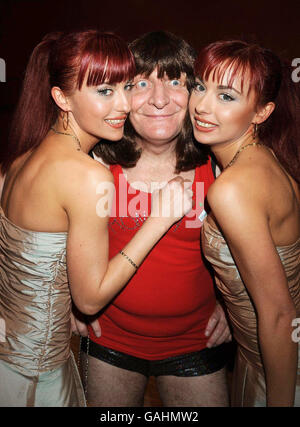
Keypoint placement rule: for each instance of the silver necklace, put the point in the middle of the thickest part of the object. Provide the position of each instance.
(68, 134)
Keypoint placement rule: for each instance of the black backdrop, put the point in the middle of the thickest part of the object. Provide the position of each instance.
(275, 24)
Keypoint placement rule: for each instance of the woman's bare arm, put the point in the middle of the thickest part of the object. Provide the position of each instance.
(244, 222)
(93, 280)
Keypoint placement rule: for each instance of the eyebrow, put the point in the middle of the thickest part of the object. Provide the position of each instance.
(228, 87)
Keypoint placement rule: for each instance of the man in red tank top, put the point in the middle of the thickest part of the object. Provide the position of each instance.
(166, 322)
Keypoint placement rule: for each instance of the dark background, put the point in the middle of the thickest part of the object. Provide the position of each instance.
(23, 23)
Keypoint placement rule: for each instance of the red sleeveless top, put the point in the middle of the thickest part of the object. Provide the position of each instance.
(164, 309)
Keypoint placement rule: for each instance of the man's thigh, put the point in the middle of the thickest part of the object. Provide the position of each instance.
(109, 385)
(204, 390)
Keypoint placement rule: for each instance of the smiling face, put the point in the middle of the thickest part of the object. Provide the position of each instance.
(221, 112)
(158, 107)
(100, 111)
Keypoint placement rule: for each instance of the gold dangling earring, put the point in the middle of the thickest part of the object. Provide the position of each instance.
(65, 121)
(255, 128)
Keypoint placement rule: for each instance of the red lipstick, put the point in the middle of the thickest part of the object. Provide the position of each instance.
(116, 122)
(201, 128)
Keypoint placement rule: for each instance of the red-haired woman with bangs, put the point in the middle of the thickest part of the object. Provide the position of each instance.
(245, 106)
(53, 230)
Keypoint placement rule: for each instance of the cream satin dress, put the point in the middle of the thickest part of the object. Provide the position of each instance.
(37, 367)
(248, 387)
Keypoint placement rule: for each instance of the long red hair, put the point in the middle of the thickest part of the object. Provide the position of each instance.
(272, 82)
(63, 60)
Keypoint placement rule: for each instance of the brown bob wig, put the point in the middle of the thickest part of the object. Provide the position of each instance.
(172, 56)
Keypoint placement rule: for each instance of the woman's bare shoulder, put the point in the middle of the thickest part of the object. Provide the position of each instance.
(73, 177)
(79, 166)
(83, 180)
(248, 184)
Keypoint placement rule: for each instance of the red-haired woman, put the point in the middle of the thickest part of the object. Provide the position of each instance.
(54, 212)
(245, 106)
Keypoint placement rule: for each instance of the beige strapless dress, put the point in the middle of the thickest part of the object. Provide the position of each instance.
(248, 383)
(37, 367)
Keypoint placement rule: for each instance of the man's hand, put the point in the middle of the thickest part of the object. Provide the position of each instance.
(79, 324)
(217, 328)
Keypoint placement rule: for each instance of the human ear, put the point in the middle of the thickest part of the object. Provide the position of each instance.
(60, 99)
(263, 113)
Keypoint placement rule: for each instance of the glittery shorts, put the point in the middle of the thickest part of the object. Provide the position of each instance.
(193, 364)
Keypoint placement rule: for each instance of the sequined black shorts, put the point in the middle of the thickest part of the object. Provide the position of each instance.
(193, 364)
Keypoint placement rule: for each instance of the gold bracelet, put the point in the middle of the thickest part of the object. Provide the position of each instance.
(129, 259)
